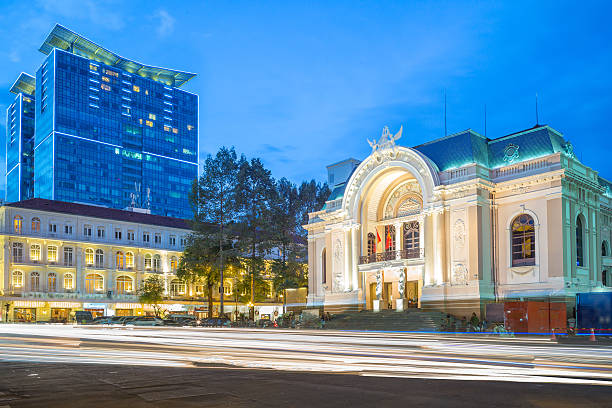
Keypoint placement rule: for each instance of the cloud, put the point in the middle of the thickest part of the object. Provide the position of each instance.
(166, 23)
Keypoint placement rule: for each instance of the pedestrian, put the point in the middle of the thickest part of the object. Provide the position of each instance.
(474, 322)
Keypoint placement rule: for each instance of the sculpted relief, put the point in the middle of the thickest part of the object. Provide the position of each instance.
(338, 275)
(460, 275)
(406, 199)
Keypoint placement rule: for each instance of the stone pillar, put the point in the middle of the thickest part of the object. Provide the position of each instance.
(347, 259)
(438, 244)
(313, 271)
(356, 251)
(428, 244)
(398, 238)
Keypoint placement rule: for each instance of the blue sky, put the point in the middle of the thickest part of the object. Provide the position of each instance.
(304, 84)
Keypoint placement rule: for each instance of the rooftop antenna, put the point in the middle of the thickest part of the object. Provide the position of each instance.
(537, 119)
(485, 120)
(445, 112)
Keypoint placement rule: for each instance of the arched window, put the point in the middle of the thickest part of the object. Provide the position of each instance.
(18, 224)
(119, 260)
(17, 279)
(523, 240)
(35, 224)
(411, 239)
(129, 259)
(605, 248)
(324, 266)
(94, 283)
(89, 257)
(371, 243)
(173, 264)
(68, 281)
(124, 284)
(99, 258)
(147, 261)
(35, 252)
(177, 288)
(35, 281)
(579, 242)
(52, 282)
(389, 237)
(157, 263)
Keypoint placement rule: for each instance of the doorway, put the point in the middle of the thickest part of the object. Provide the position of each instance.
(387, 296)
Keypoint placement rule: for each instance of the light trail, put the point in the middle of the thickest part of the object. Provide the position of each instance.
(393, 354)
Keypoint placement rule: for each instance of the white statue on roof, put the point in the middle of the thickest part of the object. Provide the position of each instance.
(386, 141)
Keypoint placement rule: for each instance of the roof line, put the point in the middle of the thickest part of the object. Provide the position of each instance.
(449, 136)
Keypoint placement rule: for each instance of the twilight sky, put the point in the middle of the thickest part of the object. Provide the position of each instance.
(303, 84)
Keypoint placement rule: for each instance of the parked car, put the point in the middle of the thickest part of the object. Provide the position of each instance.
(83, 317)
(102, 320)
(266, 323)
(145, 321)
(126, 319)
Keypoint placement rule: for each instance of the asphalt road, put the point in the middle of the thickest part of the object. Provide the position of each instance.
(67, 366)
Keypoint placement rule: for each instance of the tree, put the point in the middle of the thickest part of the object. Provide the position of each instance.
(151, 292)
(288, 275)
(213, 199)
(256, 188)
(312, 197)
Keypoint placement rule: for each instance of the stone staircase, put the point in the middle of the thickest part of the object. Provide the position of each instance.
(388, 320)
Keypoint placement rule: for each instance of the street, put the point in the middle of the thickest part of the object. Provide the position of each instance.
(251, 367)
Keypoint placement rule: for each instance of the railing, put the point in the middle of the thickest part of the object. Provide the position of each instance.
(412, 253)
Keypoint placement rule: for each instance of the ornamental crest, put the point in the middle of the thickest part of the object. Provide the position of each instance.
(460, 275)
(511, 153)
(386, 141)
(568, 149)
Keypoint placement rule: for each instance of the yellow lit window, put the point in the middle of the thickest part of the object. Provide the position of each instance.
(146, 91)
(166, 128)
(174, 130)
(136, 88)
(106, 79)
(189, 127)
(149, 123)
(105, 87)
(25, 98)
(152, 116)
(140, 120)
(52, 253)
(111, 73)
(93, 67)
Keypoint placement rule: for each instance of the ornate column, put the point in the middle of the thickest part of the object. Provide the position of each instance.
(313, 271)
(398, 238)
(438, 244)
(356, 253)
(347, 259)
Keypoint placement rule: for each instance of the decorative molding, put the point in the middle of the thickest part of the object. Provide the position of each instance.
(460, 275)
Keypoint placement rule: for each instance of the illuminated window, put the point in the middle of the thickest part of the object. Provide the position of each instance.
(173, 264)
(124, 284)
(111, 73)
(175, 130)
(411, 236)
(68, 259)
(35, 252)
(18, 224)
(147, 261)
(89, 256)
(140, 120)
(166, 128)
(157, 263)
(93, 67)
(177, 288)
(17, 279)
(119, 260)
(152, 116)
(35, 224)
(129, 259)
(17, 252)
(99, 258)
(136, 88)
(94, 283)
(146, 91)
(149, 123)
(389, 237)
(35, 281)
(106, 79)
(51, 282)
(190, 127)
(52, 253)
(105, 87)
(523, 241)
(68, 281)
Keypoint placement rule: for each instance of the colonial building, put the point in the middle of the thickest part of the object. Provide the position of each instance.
(62, 257)
(459, 222)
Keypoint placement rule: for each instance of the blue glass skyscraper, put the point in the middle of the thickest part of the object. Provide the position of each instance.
(111, 131)
(20, 141)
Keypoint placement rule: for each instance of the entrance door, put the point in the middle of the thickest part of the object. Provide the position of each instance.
(387, 293)
(372, 296)
(412, 293)
(60, 315)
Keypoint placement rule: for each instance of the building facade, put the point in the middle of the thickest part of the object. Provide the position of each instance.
(60, 257)
(110, 131)
(20, 140)
(460, 222)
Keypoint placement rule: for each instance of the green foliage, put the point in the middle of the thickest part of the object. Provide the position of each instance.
(151, 292)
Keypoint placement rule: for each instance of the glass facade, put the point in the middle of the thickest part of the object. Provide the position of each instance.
(109, 137)
(20, 148)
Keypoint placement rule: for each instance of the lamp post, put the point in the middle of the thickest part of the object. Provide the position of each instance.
(7, 306)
